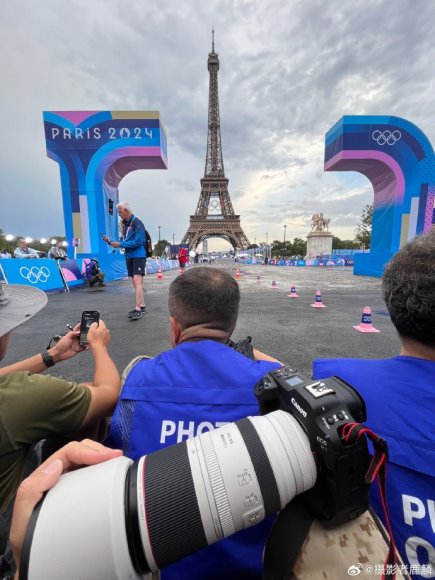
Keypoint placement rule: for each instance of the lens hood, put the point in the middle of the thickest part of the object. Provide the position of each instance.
(78, 530)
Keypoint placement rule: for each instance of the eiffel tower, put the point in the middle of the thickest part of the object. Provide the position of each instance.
(214, 215)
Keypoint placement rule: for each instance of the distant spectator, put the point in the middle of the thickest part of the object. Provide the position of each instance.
(182, 257)
(57, 252)
(22, 251)
(4, 254)
(94, 274)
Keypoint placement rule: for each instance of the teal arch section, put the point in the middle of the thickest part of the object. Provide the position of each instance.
(399, 161)
(94, 151)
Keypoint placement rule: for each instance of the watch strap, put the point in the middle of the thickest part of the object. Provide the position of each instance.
(47, 358)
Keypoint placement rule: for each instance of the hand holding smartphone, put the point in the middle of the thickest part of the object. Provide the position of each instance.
(88, 317)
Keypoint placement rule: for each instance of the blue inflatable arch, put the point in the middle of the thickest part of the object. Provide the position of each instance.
(95, 150)
(399, 161)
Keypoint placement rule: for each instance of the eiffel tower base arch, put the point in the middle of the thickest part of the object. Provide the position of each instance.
(228, 228)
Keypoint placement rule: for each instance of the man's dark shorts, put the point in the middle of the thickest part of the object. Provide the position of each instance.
(136, 266)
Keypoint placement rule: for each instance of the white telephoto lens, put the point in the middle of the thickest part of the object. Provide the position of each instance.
(119, 519)
(209, 487)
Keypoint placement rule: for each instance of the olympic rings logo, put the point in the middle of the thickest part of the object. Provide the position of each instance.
(35, 275)
(386, 137)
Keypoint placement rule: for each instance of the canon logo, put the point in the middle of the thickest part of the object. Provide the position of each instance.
(298, 407)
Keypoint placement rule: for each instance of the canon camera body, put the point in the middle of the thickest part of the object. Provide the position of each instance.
(323, 407)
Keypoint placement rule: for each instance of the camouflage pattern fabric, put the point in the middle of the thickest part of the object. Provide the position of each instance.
(358, 549)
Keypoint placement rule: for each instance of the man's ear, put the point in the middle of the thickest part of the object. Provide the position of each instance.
(175, 328)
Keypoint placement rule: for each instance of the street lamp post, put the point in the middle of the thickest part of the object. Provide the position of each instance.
(285, 228)
(159, 232)
(173, 239)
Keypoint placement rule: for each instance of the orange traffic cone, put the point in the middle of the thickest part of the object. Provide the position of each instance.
(238, 273)
(318, 303)
(160, 274)
(366, 321)
(293, 293)
(274, 285)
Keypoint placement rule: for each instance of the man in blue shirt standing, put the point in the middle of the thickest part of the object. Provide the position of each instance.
(198, 385)
(400, 398)
(133, 242)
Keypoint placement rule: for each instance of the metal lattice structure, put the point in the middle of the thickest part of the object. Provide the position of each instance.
(214, 215)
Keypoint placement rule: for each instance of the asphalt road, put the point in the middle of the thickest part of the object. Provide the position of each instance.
(287, 328)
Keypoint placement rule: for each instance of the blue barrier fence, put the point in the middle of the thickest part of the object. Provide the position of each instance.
(51, 275)
(319, 262)
(39, 272)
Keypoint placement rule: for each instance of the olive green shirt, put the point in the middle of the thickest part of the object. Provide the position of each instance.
(34, 407)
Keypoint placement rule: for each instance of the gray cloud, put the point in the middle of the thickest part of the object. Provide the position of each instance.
(289, 71)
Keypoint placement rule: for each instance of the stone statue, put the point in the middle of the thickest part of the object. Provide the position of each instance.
(319, 223)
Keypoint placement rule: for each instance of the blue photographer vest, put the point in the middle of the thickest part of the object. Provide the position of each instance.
(400, 399)
(195, 387)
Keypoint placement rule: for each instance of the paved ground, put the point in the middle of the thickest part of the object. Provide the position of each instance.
(286, 328)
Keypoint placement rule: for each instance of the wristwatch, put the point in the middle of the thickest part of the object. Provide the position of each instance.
(47, 359)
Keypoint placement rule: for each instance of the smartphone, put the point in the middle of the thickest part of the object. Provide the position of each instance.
(88, 317)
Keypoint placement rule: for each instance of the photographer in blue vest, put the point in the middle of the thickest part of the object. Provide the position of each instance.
(198, 385)
(400, 398)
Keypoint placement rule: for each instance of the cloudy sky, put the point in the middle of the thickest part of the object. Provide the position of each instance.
(289, 70)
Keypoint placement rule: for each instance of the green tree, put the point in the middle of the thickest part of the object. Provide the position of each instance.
(299, 247)
(338, 244)
(160, 247)
(280, 248)
(363, 232)
(5, 246)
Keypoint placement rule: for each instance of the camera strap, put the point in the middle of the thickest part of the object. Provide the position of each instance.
(286, 539)
(351, 432)
(293, 523)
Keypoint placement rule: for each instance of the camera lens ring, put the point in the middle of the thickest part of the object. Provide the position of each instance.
(164, 511)
(131, 510)
(262, 466)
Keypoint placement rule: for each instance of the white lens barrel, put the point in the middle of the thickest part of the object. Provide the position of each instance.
(80, 530)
